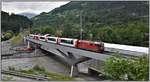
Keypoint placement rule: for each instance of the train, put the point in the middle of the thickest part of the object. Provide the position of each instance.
(81, 44)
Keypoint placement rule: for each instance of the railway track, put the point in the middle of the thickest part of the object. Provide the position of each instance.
(25, 75)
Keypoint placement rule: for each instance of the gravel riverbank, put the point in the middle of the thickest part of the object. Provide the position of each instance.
(48, 62)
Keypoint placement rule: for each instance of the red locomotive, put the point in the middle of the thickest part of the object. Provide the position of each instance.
(88, 45)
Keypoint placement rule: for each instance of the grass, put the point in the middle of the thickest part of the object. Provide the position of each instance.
(7, 78)
(16, 39)
(57, 77)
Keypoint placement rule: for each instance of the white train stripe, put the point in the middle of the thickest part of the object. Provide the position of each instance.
(127, 47)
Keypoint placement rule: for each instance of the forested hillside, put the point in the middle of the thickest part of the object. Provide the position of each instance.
(27, 14)
(14, 22)
(122, 22)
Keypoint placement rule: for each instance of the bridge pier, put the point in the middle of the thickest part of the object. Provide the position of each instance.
(73, 62)
(32, 45)
(74, 70)
(28, 44)
(74, 67)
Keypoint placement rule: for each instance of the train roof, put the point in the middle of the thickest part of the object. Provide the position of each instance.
(42, 36)
(51, 37)
(68, 38)
(47, 35)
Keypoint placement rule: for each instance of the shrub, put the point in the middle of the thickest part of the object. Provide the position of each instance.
(120, 68)
(7, 35)
(7, 78)
(11, 68)
(17, 39)
(38, 68)
(59, 77)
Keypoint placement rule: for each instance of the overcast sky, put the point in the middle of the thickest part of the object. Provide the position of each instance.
(33, 7)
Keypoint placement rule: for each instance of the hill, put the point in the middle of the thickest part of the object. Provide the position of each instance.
(28, 14)
(96, 12)
(14, 22)
(107, 21)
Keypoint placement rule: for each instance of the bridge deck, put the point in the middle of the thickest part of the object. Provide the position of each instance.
(53, 48)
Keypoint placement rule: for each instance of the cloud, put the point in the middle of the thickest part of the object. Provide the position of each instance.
(34, 7)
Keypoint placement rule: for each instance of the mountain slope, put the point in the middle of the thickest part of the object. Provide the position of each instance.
(121, 22)
(28, 14)
(14, 22)
(95, 12)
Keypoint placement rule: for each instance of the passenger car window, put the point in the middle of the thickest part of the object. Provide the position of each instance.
(67, 41)
(51, 39)
(42, 38)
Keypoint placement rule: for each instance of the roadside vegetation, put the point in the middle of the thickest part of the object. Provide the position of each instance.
(7, 35)
(17, 39)
(128, 69)
(7, 78)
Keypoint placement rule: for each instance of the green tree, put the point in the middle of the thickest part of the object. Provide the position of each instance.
(132, 69)
(47, 30)
(58, 33)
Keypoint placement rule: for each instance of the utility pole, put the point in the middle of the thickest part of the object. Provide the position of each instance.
(21, 30)
(81, 29)
(29, 28)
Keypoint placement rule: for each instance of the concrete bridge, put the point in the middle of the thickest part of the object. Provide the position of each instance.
(74, 56)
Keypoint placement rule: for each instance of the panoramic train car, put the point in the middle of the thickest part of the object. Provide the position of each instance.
(67, 42)
(47, 35)
(52, 39)
(89, 45)
(42, 38)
